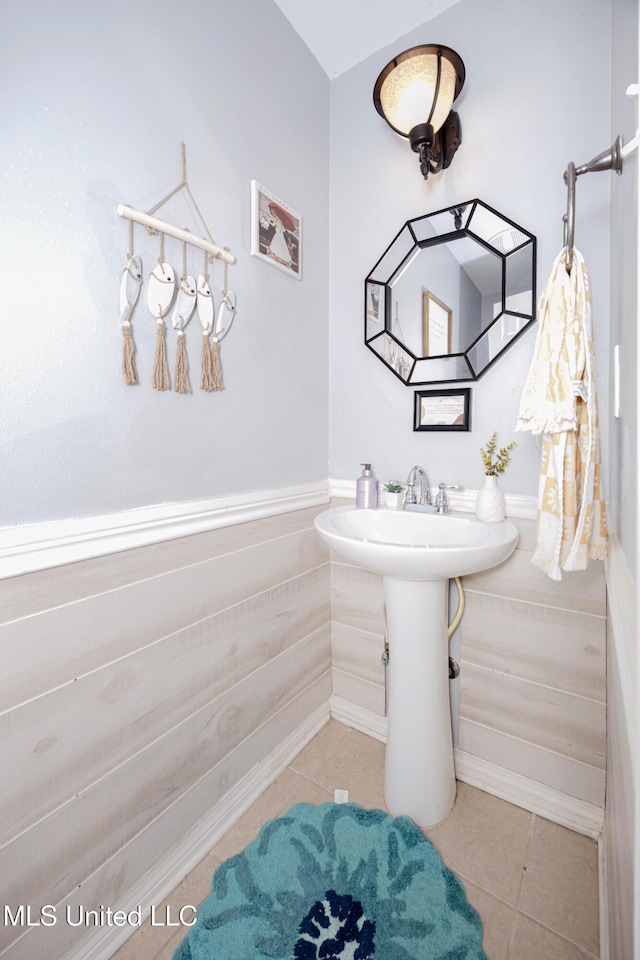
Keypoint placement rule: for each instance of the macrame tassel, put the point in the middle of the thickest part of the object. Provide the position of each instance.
(160, 369)
(128, 363)
(215, 365)
(181, 381)
(206, 383)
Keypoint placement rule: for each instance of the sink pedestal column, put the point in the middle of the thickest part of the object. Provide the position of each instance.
(419, 773)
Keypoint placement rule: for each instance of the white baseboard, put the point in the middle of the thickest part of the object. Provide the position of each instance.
(584, 818)
(197, 842)
(571, 812)
(366, 721)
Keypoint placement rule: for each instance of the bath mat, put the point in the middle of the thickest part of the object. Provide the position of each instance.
(335, 882)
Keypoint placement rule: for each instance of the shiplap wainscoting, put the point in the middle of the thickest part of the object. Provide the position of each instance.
(150, 692)
(139, 692)
(621, 822)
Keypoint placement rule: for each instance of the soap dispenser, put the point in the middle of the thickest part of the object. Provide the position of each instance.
(367, 489)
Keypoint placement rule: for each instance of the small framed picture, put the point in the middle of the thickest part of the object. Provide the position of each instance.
(436, 326)
(442, 409)
(276, 231)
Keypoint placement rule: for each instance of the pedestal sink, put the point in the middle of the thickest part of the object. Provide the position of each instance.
(417, 554)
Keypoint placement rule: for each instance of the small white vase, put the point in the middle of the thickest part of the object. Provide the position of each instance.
(490, 505)
(394, 500)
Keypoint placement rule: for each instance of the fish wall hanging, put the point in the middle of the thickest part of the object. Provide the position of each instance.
(191, 295)
(129, 293)
(162, 285)
(185, 305)
(227, 306)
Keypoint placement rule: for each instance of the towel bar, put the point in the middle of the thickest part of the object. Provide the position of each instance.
(610, 159)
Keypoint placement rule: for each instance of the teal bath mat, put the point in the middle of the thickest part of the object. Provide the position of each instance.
(335, 882)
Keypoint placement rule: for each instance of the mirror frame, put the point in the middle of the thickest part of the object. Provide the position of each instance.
(404, 366)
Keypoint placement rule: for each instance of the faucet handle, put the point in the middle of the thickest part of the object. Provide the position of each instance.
(410, 495)
(442, 504)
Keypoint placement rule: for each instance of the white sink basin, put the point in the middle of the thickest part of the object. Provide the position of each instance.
(416, 546)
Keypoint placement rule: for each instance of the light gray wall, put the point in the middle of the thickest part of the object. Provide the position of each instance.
(534, 99)
(96, 99)
(623, 473)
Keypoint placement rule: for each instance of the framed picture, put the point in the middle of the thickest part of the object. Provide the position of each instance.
(436, 326)
(276, 231)
(442, 409)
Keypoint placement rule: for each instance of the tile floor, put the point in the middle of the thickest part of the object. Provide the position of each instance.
(534, 883)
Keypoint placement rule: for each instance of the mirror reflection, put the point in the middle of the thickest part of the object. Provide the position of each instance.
(449, 295)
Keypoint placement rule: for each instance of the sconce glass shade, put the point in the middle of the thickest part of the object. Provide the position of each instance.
(414, 94)
(408, 93)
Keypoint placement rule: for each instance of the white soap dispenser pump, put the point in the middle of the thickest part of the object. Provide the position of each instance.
(367, 489)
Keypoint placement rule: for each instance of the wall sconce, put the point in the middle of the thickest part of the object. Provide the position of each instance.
(414, 94)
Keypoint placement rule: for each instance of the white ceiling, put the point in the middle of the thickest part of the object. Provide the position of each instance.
(341, 33)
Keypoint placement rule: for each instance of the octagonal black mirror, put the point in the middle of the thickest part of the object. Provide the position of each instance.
(452, 291)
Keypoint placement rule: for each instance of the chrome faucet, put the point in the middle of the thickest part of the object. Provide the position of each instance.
(424, 497)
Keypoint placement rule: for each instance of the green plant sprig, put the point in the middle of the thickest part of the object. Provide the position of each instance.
(393, 487)
(496, 463)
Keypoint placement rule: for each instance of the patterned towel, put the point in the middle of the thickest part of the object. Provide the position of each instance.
(559, 400)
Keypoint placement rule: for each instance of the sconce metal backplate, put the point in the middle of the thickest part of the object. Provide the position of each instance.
(452, 292)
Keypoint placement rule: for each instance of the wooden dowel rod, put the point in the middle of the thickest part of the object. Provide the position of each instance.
(154, 223)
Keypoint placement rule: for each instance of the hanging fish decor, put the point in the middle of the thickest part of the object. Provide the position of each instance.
(129, 293)
(162, 281)
(185, 305)
(191, 295)
(220, 332)
(204, 306)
